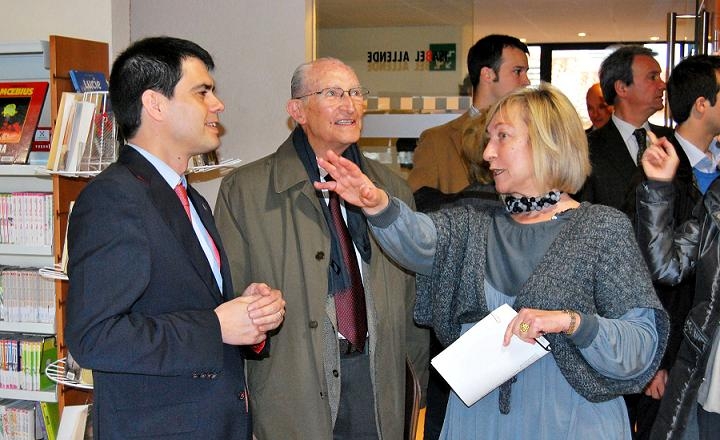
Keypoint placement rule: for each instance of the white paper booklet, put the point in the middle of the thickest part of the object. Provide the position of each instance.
(477, 362)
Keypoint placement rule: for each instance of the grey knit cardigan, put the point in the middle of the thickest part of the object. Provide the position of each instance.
(594, 266)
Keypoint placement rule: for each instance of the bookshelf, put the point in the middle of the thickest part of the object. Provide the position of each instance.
(16, 178)
(48, 61)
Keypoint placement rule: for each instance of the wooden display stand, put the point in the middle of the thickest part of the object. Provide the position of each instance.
(65, 54)
(65, 190)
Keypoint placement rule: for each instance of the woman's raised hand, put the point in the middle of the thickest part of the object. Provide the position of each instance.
(351, 184)
(660, 161)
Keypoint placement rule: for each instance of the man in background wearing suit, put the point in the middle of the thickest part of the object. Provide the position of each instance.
(321, 380)
(151, 307)
(497, 64)
(630, 79)
(631, 82)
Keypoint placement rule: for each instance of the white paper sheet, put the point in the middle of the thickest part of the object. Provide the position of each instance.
(477, 362)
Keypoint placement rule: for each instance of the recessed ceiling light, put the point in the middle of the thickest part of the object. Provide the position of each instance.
(582, 34)
(523, 40)
(654, 38)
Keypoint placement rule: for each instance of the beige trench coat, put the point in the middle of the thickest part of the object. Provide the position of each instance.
(273, 230)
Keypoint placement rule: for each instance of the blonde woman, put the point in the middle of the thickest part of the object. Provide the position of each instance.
(572, 270)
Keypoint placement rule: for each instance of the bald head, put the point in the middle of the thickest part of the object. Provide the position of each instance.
(598, 110)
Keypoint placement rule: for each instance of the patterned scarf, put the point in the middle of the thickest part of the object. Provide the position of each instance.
(338, 277)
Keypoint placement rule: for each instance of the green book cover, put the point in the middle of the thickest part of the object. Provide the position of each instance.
(51, 417)
(48, 355)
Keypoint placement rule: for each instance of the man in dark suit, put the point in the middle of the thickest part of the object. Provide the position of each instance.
(150, 308)
(630, 80)
(630, 77)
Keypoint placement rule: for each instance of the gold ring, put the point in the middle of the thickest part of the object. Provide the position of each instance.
(524, 327)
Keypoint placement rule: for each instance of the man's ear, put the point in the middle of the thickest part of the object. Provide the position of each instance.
(620, 88)
(700, 105)
(487, 74)
(296, 110)
(153, 103)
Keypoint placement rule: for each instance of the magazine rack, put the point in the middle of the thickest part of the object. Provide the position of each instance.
(102, 146)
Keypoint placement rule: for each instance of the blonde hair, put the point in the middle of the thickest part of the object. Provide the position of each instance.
(474, 139)
(557, 139)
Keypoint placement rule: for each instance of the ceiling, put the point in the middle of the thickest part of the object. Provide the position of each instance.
(537, 21)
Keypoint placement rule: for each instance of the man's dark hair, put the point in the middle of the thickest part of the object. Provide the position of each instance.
(153, 63)
(692, 78)
(618, 66)
(487, 52)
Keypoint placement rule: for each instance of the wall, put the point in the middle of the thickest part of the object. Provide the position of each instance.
(256, 46)
(352, 46)
(36, 19)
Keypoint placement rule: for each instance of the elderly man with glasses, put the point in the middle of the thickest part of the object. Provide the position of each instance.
(336, 367)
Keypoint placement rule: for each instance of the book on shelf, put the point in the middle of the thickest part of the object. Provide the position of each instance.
(79, 135)
(65, 111)
(51, 419)
(27, 297)
(23, 359)
(26, 218)
(88, 81)
(20, 106)
(18, 419)
(40, 147)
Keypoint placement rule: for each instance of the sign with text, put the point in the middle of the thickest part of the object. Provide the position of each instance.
(439, 57)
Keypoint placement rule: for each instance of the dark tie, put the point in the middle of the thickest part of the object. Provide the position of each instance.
(182, 195)
(350, 302)
(642, 144)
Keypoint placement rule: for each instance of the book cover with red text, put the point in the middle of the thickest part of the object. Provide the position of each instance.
(20, 107)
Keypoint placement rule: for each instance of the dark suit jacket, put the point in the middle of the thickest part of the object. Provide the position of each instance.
(614, 173)
(140, 311)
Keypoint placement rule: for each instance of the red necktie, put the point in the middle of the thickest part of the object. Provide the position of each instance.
(349, 303)
(182, 195)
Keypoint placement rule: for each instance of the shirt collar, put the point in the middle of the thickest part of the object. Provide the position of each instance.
(171, 177)
(697, 158)
(626, 129)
